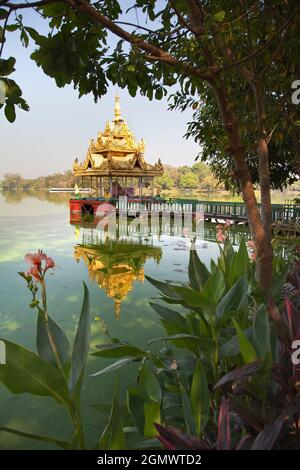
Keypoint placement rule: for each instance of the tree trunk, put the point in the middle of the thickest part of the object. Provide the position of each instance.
(259, 229)
(264, 175)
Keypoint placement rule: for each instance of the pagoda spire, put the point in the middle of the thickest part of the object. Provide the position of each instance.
(118, 116)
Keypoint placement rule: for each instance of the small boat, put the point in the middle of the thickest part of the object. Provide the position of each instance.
(69, 190)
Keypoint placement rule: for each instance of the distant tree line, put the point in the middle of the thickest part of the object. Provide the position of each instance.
(14, 181)
(198, 176)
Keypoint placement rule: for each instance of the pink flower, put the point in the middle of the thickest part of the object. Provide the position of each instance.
(35, 258)
(227, 224)
(49, 263)
(220, 237)
(35, 273)
(40, 263)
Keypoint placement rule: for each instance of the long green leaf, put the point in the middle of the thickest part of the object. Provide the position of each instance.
(214, 286)
(42, 341)
(163, 287)
(152, 416)
(200, 398)
(148, 384)
(36, 437)
(240, 266)
(198, 272)
(189, 418)
(135, 405)
(81, 345)
(232, 346)
(247, 350)
(26, 372)
(115, 366)
(234, 298)
(170, 315)
(179, 336)
(120, 350)
(261, 332)
(113, 436)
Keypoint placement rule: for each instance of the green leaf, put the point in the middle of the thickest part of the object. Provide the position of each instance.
(200, 398)
(214, 286)
(191, 298)
(189, 418)
(234, 298)
(163, 287)
(261, 332)
(12, 27)
(152, 416)
(232, 346)
(219, 17)
(10, 112)
(120, 350)
(171, 316)
(240, 265)
(3, 13)
(24, 38)
(115, 366)
(42, 341)
(247, 350)
(81, 345)
(180, 336)
(7, 66)
(148, 384)
(113, 436)
(36, 437)
(135, 405)
(25, 372)
(33, 34)
(198, 272)
(159, 93)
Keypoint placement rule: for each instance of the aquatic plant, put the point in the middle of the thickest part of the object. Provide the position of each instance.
(223, 377)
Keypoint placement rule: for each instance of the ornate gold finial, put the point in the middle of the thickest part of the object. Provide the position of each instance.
(118, 116)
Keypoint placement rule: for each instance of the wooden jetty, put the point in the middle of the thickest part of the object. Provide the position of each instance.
(214, 211)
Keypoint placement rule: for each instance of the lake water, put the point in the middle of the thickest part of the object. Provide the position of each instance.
(114, 271)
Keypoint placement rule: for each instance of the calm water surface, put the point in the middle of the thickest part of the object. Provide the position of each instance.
(114, 272)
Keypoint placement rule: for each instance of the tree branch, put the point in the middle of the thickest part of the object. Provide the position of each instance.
(158, 33)
(260, 49)
(151, 50)
(180, 17)
(20, 6)
(4, 31)
(196, 16)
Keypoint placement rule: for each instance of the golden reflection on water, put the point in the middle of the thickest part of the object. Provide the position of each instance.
(116, 265)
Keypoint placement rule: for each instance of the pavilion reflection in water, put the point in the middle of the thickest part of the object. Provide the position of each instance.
(115, 265)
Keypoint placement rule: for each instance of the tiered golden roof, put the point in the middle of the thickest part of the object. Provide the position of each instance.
(116, 152)
(116, 266)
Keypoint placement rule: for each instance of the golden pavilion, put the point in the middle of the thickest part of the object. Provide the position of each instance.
(115, 164)
(116, 265)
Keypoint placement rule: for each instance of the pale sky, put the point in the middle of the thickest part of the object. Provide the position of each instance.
(58, 127)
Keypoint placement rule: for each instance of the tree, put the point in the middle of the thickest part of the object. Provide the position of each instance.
(164, 182)
(12, 181)
(201, 170)
(208, 49)
(188, 181)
